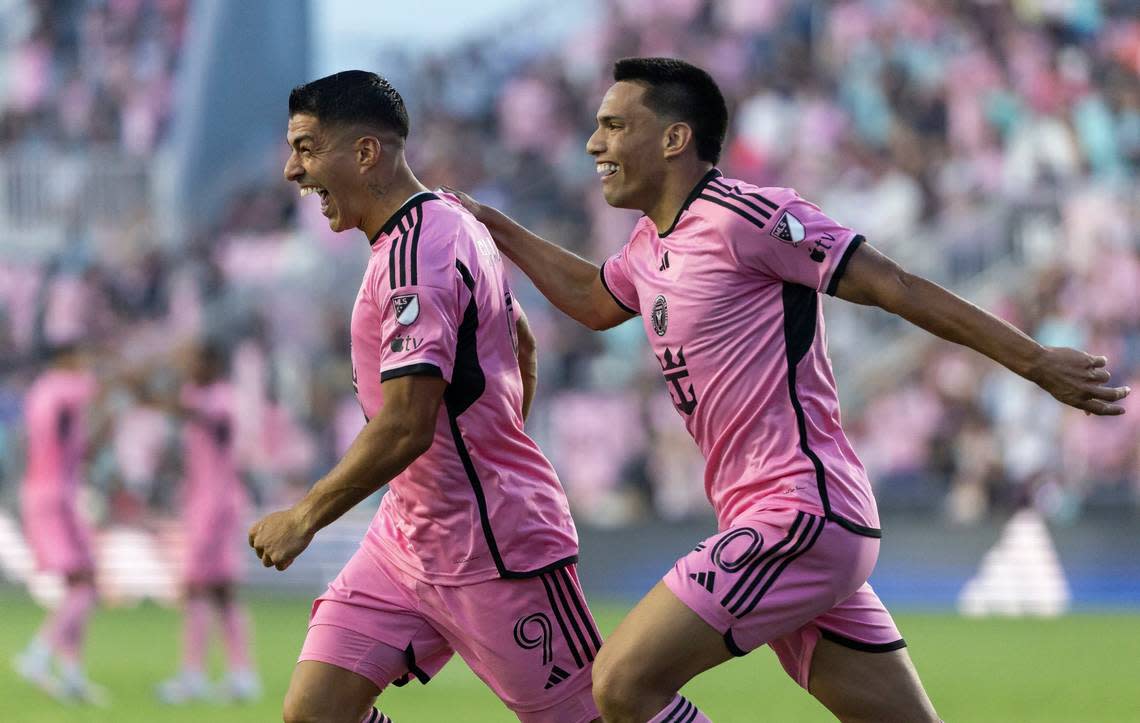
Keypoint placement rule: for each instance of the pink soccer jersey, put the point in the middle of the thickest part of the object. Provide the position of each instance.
(213, 496)
(55, 412)
(483, 501)
(729, 298)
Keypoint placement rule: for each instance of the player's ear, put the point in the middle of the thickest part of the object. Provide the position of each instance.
(678, 137)
(368, 151)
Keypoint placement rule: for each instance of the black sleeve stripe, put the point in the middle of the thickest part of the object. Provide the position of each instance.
(738, 211)
(738, 197)
(770, 204)
(403, 254)
(602, 274)
(423, 369)
(392, 262)
(407, 253)
(416, 239)
(842, 266)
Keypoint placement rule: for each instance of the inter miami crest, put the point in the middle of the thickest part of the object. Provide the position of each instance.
(660, 316)
(789, 229)
(407, 308)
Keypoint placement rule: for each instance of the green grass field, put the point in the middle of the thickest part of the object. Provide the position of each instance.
(1082, 668)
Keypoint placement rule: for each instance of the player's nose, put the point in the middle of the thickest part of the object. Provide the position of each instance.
(594, 144)
(293, 170)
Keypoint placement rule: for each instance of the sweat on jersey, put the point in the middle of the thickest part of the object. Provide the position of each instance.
(729, 298)
(483, 501)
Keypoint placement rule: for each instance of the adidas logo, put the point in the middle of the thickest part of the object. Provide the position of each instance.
(557, 675)
(704, 579)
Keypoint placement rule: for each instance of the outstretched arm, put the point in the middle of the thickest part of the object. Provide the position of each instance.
(393, 439)
(570, 282)
(1073, 377)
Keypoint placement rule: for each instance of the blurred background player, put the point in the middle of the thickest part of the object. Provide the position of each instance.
(214, 502)
(57, 411)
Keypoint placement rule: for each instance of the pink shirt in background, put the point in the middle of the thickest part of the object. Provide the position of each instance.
(729, 297)
(55, 410)
(213, 493)
(483, 501)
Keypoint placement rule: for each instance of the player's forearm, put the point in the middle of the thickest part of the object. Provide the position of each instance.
(380, 452)
(942, 313)
(563, 277)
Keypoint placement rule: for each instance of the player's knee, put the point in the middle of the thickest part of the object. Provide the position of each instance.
(301, 707)
(323, 703)
(619, 690)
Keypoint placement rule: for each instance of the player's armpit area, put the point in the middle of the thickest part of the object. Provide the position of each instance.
(872, 279)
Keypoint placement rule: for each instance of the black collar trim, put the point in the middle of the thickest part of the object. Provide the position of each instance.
(713, 173)
(394, 220)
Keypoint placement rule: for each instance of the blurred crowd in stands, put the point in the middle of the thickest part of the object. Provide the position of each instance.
(992, 146)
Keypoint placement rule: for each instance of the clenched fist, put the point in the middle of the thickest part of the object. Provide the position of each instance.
(279, 537)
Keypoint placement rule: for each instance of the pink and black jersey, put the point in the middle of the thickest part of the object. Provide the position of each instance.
(482, 502)
(55, 410)
(213, 488)
(729, 297)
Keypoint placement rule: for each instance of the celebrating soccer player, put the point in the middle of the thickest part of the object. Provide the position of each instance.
(727, 278)
(473, 549)
(56, 410)
(214, 501)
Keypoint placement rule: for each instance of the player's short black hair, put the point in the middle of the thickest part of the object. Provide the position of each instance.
(350, 97)
(682, 92)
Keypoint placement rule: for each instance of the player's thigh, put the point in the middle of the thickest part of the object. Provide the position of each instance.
(325, 693)
(369, 623)
(659, 646)
(856, 685)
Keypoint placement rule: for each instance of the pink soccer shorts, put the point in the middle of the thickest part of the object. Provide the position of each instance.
(532, 641)
(786, 578)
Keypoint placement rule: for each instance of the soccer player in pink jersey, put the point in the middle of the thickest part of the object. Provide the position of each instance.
(214, 501)
(56, 413)
(473, 549)
(728, 279)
